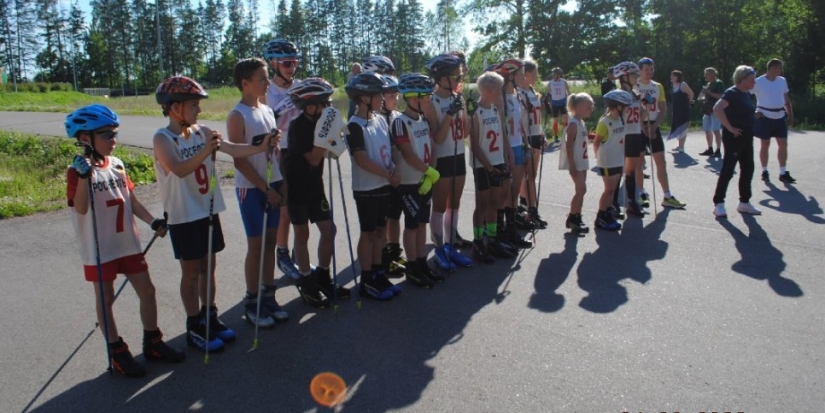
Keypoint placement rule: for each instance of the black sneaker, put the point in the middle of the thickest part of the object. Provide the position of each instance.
(634, 209)
(718, 153)
(154, 349)
(616, 212)
(786, 178)
(537, 222)
(574, 223)
(432, 275)
(310, 292)
(196, 335)
(645, 200)
(523, 223)
(707, 152)
(480, 252)
(514, 239)
(460, 242)
(221, 330)
(765, 176)
(123, 362)
(385, 283)
(372, 288)
(324, 282)
(606, 222)
(417, 276)
(499, 250)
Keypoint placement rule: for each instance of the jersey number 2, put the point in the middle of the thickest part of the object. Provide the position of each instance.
(492, 136)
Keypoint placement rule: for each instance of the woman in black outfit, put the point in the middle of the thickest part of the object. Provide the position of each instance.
(735, 111)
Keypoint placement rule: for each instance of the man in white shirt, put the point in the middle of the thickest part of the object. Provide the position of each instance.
(773, 116)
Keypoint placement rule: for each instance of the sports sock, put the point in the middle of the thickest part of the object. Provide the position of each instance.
(764, 169)
(436, 227)
(492, 230)
(782, 170)
(630, 186)
(668, 194)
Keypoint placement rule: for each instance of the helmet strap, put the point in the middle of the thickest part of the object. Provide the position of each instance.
(278, 73)
(623, 81)
(96, 156)
(177, 116)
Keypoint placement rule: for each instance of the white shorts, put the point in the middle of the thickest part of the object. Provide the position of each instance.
(710, 123)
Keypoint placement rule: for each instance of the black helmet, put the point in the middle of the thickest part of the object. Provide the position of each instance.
(364, 84)
(443, 65)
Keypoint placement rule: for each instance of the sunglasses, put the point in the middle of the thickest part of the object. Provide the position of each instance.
(416, 95)
(108, 135)
(288, 63)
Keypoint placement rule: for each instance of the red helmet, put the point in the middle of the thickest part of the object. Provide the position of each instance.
(179, 89)
(508, 67)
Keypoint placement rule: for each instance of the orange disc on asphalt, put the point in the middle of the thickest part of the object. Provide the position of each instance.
(328, 389)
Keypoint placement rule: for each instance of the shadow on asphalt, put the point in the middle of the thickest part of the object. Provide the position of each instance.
(381, 351)
(713, 164)
(552, 272)
(682, 160)
(791, 201)
(760, 259)
(619, 256)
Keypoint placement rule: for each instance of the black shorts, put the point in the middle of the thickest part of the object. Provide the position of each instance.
(485, 181)
(657, 144)
(633, 145)
(416, 206)
(536, 141)
(766, 128)
(559, 111)
(394, 211)
(372, 207)
(450, 166)
(609, 171)
(190, 240)
(314, 211)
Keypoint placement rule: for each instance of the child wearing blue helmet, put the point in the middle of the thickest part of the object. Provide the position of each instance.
(103, 208)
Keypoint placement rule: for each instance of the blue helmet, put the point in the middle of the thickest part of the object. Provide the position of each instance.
(415, 83)
(390, 83)
(364, 84)
(279, 48)
(89, 118)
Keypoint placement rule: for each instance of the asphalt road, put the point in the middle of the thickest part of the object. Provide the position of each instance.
(676, 313)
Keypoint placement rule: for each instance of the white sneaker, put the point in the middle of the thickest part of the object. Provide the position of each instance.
(719, 211)
(747, 208)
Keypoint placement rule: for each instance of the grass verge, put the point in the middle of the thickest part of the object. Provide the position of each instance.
(33, 172)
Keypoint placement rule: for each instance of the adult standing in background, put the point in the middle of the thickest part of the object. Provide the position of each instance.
(353, 70)
(735, 111)
(559, 90)
(710, 124)
(609, 83)
(773, 116)
(682, 98)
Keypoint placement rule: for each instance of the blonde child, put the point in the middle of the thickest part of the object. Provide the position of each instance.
(609, 148)
(573, 156)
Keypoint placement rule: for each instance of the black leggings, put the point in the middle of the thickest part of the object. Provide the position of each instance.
(737, 150)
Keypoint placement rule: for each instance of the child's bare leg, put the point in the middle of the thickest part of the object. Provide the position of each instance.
(145, 291)
(109, 297)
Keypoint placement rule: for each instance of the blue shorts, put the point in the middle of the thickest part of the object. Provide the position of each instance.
(251, 202)
(765, 128)
(710, 123)
(518, 155)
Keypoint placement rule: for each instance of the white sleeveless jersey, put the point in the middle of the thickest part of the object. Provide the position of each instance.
(278, 99)
(117, 231)
(557, 89)
(416, 132)
(456, 132)
(656, 93)
(532, 111)
(377, 145)
(489, 136)
(633, 118)
(580, 157)
(611, 151)
(187, 199)
(257, 121)
(514, 118)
